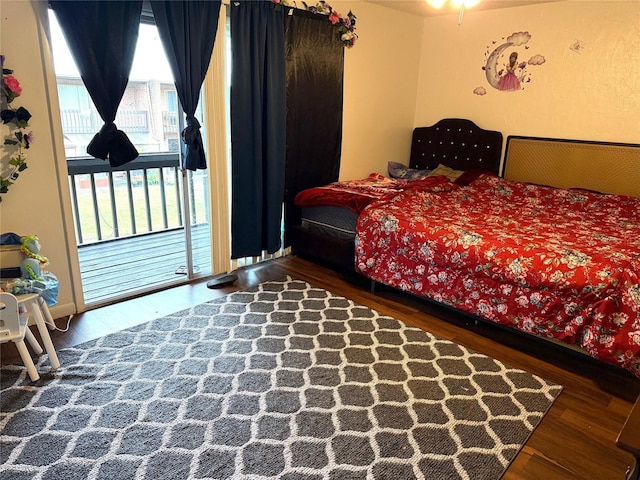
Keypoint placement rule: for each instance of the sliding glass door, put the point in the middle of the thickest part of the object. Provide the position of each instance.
(145, 225)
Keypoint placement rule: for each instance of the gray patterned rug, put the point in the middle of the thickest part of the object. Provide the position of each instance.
(281, 381)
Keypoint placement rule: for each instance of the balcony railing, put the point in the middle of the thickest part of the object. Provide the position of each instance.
(83, 121)
(143, 196)
(130, 226)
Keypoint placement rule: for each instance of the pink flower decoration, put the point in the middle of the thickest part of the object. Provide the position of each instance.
(346, 25)
(13, 85)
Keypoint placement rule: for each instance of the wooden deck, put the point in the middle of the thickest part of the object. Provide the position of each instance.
(122, 268)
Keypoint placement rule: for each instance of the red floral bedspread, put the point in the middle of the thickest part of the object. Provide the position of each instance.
(551, 262)
(357, 194)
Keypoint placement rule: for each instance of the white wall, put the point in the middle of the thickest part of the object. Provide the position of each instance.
(592, 95)
(34, 204)
(380, 80)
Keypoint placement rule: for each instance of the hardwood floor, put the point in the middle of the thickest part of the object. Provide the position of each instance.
(576, 439)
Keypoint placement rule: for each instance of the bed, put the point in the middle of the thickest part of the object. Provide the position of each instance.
(329, 213)
(540, 250)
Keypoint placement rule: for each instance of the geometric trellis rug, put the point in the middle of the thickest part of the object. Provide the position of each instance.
(283, 381)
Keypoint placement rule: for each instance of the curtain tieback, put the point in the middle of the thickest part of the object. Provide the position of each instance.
(194, 155)
(191, 131)
(113, 144)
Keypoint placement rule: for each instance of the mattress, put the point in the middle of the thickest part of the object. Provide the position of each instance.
(333, 221)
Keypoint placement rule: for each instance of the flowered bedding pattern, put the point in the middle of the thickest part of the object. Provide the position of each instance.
(551, 262)
(357, 194)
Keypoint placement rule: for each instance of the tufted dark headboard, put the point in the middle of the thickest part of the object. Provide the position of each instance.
(457, 143)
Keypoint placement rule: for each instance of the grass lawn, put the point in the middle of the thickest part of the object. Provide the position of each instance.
(143, 212)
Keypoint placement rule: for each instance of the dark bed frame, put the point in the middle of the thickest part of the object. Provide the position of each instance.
(461, 144)
(455, 142)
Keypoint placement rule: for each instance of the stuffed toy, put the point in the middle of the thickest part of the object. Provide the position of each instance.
(31, 267)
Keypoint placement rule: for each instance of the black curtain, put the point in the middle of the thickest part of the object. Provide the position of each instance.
(102, 37)
(258, 116)
(315, 67)
(188, 31)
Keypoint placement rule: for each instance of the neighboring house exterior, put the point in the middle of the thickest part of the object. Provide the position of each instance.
(148, 113)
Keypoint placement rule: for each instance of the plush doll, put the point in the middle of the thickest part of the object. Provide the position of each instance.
(31, 267)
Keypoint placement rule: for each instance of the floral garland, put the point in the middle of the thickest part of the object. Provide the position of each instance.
(346, 25)
(18, 141)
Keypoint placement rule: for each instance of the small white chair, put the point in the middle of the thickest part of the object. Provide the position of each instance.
(13, 328)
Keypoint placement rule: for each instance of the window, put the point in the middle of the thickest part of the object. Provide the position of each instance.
(74, 95)
(144, 195)
(150, 197)
(148, 112)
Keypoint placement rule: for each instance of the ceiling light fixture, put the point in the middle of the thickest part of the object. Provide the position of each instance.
(460, 4)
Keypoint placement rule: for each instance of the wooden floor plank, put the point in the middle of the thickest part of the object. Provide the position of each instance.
(575, 440)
